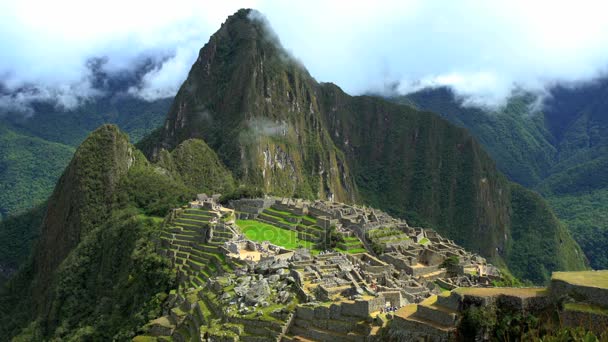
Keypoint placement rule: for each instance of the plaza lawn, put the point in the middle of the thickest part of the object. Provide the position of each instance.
(584, 278)
(258, 231)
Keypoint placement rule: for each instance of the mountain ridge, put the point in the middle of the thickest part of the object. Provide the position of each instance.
(299, 138)
(558, 149)
(97, 273)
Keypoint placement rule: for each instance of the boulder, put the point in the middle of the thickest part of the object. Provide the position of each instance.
(274, 278)
(257, 292)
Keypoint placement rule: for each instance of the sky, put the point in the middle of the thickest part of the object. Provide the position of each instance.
(482, 49)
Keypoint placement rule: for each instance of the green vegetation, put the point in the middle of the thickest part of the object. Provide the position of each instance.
(258, 231)
(35, 148)
(29, 169)
(539, 242)
(153, 191)
(243, 191)
(282, 147)
(17, 235)
(70, 127)
(567, 335)
(474, 320)
(413, 162)
(505, 325)
(110, 281)
(198, 167)
(451, 261)
(559, 150)
(586, 215)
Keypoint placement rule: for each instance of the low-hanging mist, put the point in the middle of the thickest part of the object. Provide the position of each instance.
(482, 50)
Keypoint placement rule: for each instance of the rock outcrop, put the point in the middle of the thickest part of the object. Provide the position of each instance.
(277, 129)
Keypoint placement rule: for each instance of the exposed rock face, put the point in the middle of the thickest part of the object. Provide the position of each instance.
(257, 292)
(276, 128)
(258, 109)
(82, 198)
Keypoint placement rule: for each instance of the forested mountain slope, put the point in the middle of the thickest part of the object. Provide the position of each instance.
(559, 149)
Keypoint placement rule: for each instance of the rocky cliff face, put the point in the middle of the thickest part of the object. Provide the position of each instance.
(258, 109)
(407, 161)
(276, 128)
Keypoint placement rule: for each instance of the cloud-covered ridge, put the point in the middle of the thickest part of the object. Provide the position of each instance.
(483, 50)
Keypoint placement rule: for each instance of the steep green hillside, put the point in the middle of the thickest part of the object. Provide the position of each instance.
(29, 168)
(539, 242)
(277, 129)
(17, 235)
(95, 273)
(35, 149)
(560, 151)
(198, 167)
(519, 142)
(587, 217)
(418, 166)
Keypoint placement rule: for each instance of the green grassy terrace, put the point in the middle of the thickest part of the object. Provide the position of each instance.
(259, 232)
(584, 278)
(584, 307)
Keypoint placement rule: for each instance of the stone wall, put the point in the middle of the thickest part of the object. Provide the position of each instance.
(397, 261)
(400, 329)
(394, 297)
(251, 206)
(594, 295)
(362, 308)
(595, 322)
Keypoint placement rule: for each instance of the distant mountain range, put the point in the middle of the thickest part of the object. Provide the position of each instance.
(557, 146)
(248, 119)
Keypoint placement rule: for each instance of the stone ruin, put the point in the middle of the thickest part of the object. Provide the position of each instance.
(240, 281)
(402, 264)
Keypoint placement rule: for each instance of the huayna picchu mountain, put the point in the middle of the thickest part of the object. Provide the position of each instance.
(124, 251)
(276, 128)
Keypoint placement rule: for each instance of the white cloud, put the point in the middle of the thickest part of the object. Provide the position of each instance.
(482, 49)
(165, 80)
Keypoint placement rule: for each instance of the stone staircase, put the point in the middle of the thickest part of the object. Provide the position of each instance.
(434, 319)
(194, 244)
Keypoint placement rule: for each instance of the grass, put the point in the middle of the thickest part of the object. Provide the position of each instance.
(507, 291)
(258, 231)
(278, 218)
(584, 278)
(583, 307)
(350, 238)
(280, 212)
(443, 289)
(155, 219)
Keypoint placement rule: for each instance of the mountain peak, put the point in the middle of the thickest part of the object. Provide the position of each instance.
(83, 196)
(247, 28)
